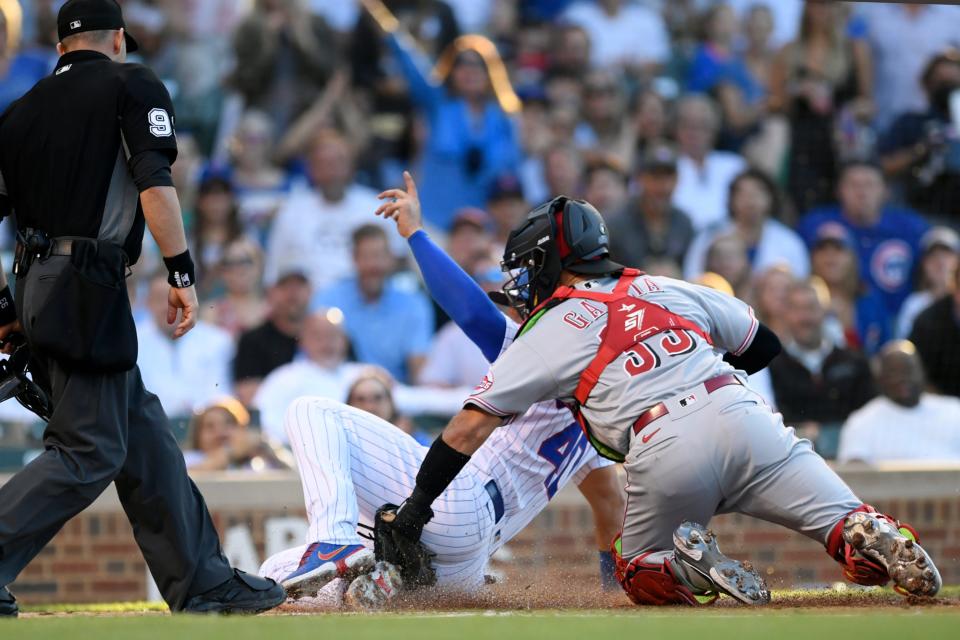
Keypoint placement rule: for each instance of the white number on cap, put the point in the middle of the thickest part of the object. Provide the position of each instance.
(160, 125)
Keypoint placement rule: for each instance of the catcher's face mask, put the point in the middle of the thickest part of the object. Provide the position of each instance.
(532, 262)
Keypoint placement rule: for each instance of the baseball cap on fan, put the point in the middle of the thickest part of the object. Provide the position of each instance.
(78, 16)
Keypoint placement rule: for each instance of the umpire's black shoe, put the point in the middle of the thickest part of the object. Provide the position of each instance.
(243, 593)
(8, 604)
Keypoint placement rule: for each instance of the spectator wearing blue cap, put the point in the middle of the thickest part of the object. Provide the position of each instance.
(885, 237)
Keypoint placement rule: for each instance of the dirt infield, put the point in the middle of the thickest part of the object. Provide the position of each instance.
(503, 597)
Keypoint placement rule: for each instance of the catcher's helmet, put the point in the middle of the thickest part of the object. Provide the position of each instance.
(563, 234)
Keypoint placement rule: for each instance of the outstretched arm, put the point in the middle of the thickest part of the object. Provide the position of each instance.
(453, 289)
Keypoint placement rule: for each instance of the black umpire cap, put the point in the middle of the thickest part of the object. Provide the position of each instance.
(77, 16)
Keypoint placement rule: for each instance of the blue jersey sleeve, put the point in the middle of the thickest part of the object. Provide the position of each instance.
(459, 296)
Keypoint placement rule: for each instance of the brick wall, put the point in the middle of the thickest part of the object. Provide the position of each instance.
(95, 559)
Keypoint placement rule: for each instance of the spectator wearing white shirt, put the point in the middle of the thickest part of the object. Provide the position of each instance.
(754, 202)
(902, 38)
(186, 373)
(904, 423)
(321, 369)
(703, 175)
(622, 33)
(314, 227)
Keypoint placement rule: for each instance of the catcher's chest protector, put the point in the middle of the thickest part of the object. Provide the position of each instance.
(630, 320)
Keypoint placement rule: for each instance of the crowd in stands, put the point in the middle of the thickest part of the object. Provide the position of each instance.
(802, 156)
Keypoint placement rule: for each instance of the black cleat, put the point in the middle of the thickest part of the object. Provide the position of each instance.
(8, 604)
(243, 593)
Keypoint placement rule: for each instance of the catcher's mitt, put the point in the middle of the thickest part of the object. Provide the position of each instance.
(395, 542)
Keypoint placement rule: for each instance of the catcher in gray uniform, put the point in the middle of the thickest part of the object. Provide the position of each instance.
(654, 369)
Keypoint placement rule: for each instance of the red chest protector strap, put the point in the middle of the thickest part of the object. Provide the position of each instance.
(630, 320)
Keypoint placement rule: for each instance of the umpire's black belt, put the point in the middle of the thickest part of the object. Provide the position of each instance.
(497, 499)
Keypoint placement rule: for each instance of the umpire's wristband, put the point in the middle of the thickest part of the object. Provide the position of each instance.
(8, 312)
(180, 270)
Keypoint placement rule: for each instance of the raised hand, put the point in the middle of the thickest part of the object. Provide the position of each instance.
(403, 207)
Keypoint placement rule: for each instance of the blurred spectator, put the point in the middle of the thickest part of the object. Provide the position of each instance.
(273, 343)
(820, 78)
(936, 334)
(905, 423)
(650, 121)
(372, 391)
(569, 51)
(387, 326)
(186, 373)
(770, 299)
(603, 127)
(453, 360)
(260, 185)
(718, 69)
(922, 148)
(704, 175)
(785, 16)
(221, 439)
(472, 15)
(242, 306)
(727, 257)
(469, 242)
(563, 171)
(857, 316)
(903, 37)
(817, 383)
(755, 205)
(431, 23)
(606, 185)
(314, 226)
(321, 370)
(507, 208)
(650, 227)
(187, 171)
(471, 137)
(216, 225)
(622, 34)
(284, 56)
(19, 69)
(759, 26)
(938, 268)
(886, 237)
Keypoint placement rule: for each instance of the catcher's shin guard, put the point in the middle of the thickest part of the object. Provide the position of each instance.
(874, 548)
(650, 583)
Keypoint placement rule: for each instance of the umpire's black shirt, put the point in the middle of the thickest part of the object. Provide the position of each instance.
(77, 149)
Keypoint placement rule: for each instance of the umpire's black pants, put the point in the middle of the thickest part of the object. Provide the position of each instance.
(108, 428)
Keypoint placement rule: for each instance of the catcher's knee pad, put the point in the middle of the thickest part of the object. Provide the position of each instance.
(650, 583)
(857, 568)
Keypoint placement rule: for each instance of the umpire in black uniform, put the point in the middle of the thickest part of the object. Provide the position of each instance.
(84, 166)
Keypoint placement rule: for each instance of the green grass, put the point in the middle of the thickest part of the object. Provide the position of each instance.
(795, 615)
(717, 624)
